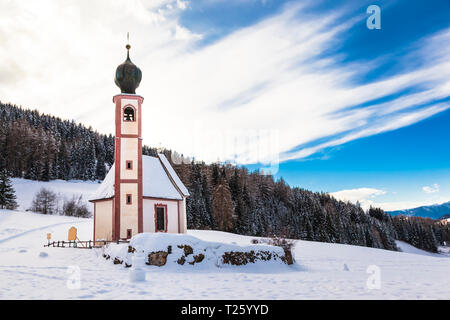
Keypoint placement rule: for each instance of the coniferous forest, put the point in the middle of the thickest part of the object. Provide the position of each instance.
(222, 196)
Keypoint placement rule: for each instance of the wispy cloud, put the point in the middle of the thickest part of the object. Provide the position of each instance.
(367, 197)
(432, 189)
(213, 101)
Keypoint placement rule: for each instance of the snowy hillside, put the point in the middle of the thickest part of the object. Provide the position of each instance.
(406, 247)
(322, 270)
(26, 189)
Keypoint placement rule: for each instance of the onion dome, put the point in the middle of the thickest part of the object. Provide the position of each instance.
(128, 75)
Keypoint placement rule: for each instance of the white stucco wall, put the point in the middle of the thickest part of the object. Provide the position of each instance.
(129, 152)
(128, 212)
(149, 215)
(103, 219)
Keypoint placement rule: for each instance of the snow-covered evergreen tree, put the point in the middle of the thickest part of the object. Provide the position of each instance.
(222, 207)
(7, 193)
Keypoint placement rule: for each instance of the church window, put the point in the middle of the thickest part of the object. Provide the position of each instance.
(128, 114)
(129, 199)
(129, 165)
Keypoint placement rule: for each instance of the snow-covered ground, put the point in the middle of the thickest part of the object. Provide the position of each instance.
(26, 189)
(322, 271)
(406, 247)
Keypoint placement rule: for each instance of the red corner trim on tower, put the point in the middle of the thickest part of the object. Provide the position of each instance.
(116, 225)
(140, 189)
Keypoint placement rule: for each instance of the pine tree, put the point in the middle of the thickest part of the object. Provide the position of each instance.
(100, 170)
(63, 162)
(45, 175)
(245, 207)
(222, 206)
(7, 193)
(197, 212)
(215, 175)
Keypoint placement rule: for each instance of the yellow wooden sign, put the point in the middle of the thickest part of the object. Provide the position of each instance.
(49, 236)
(72, 234)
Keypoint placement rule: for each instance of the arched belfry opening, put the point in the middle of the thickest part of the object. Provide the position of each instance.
(128, 114)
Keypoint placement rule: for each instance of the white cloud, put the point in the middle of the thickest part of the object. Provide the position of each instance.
(432, 189)
(402, 205)
(368, 197)
(182, 4)
(362, 195)
(202, 101)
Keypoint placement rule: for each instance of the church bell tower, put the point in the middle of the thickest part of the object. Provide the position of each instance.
(128, 201)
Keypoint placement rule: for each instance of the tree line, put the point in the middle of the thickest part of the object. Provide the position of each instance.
(229, 198)
(41, 147)
(222, 196)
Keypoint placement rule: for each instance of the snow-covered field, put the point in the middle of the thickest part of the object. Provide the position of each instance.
(26, 189)
(322, 271)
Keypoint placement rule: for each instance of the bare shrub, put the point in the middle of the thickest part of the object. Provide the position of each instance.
(45, 201)
(286, 244)
(282, 241)
(75, 207)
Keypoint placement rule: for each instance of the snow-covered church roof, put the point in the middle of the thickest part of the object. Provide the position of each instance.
(159, 180)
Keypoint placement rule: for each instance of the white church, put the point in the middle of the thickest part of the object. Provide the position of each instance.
(139, 193)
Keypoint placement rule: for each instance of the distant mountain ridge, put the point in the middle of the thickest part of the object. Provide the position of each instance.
(436, 211)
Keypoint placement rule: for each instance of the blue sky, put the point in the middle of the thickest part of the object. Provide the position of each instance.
(400, 162)
(302, 85)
